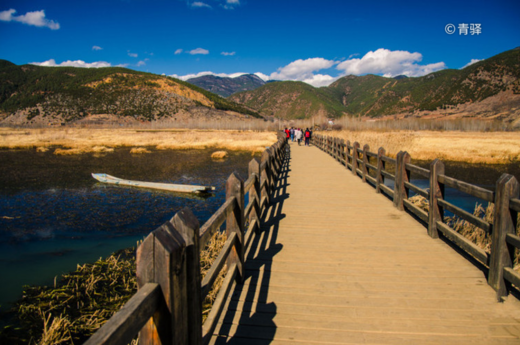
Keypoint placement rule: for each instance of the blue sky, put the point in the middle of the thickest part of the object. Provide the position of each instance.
(312, 41)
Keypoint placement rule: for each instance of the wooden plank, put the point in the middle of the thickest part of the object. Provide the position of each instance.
(435, 212)
(418, 170)
(416, 210)
(387, 190)
(389, 160)
(513, 240)
(417, 190)
(371, 167)
(467, 188)
(515, 204)
(387, 175)
(124, 325)
(464, 243)
(235, 223)
(512, 276)
(216, 267)
(466, 215)
(215, 222)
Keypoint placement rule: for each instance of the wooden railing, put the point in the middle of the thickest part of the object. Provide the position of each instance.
(167, 309)
(504, 238)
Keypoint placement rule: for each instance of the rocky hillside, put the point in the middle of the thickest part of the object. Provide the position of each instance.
(486, 88)
(225, 87)
(30, 94)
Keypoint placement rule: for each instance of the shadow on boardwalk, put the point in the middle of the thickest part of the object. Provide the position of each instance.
(249, 318)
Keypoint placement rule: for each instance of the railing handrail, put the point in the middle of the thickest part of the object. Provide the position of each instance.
(506, 199)
(168, 304)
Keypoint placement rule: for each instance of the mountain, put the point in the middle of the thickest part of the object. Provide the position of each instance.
(290, 100)
(225, 87)
(486, 88)
(31, 93)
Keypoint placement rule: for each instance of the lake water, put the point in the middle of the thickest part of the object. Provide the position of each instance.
(54, 215)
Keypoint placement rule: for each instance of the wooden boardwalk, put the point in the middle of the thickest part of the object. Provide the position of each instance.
(336, 263)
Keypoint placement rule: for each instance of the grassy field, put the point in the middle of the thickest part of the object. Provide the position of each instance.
(82, 140)
(470, 147)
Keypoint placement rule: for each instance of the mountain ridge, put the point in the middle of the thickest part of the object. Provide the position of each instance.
(226, 86)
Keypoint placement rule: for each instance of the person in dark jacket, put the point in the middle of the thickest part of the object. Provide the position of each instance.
(307, 137)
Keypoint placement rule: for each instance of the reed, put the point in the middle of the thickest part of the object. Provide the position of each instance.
(468, 230)
(75, 308)
(92, 140)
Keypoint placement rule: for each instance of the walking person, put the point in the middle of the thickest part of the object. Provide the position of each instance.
(307, 137)
(287, 135)
(298, 135)
(292, 133)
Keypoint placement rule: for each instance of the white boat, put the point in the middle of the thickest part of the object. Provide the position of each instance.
(105, 178)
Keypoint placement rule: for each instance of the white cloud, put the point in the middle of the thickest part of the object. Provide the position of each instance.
(199, 51)
(97, 48)
(178, 51)
(142, 62)
(471, 63)
(389, 64)
(262, 76)
(319, 80)
(231, 4)
(352, 55)
(36, 18)
(303, 70)
(134, 55)
(69, 63)
(228, 53)
(198, 4)
(200, 74)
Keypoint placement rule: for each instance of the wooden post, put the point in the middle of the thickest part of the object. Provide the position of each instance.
(366, 148)
(347, 151)
(355, 157)
(502, 255)
(342, 151)
(254, 192)
(161, 259)
(264, 177)
(380, 167)
(435, 212)
(235, 223)
(188, 226)
(401, 176)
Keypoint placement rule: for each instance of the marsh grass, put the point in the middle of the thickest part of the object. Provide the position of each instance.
(83, 300)
(468, 230)
(219, 155)
(95, 140)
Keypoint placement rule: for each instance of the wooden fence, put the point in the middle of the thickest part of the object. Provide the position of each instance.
(167, 309)
(504, 238)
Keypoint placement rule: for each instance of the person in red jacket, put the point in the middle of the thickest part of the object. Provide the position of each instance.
(287, 134)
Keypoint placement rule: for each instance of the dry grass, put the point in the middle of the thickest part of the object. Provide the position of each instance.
(468, 230)
(81, 140)
(85, 299)
(471, 147)
(139, 150)
(219, 155)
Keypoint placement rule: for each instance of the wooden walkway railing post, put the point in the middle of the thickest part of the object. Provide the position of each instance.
(380, 179)
(502, 255)
(161, 259)
(188, 226)
(347, 154)
(235, 223)
(254, 192)
(435, 212)
(366, 148)
(355, 157)
(401, 176)
(264, 177)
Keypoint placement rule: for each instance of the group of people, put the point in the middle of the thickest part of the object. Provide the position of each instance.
(297, 134)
